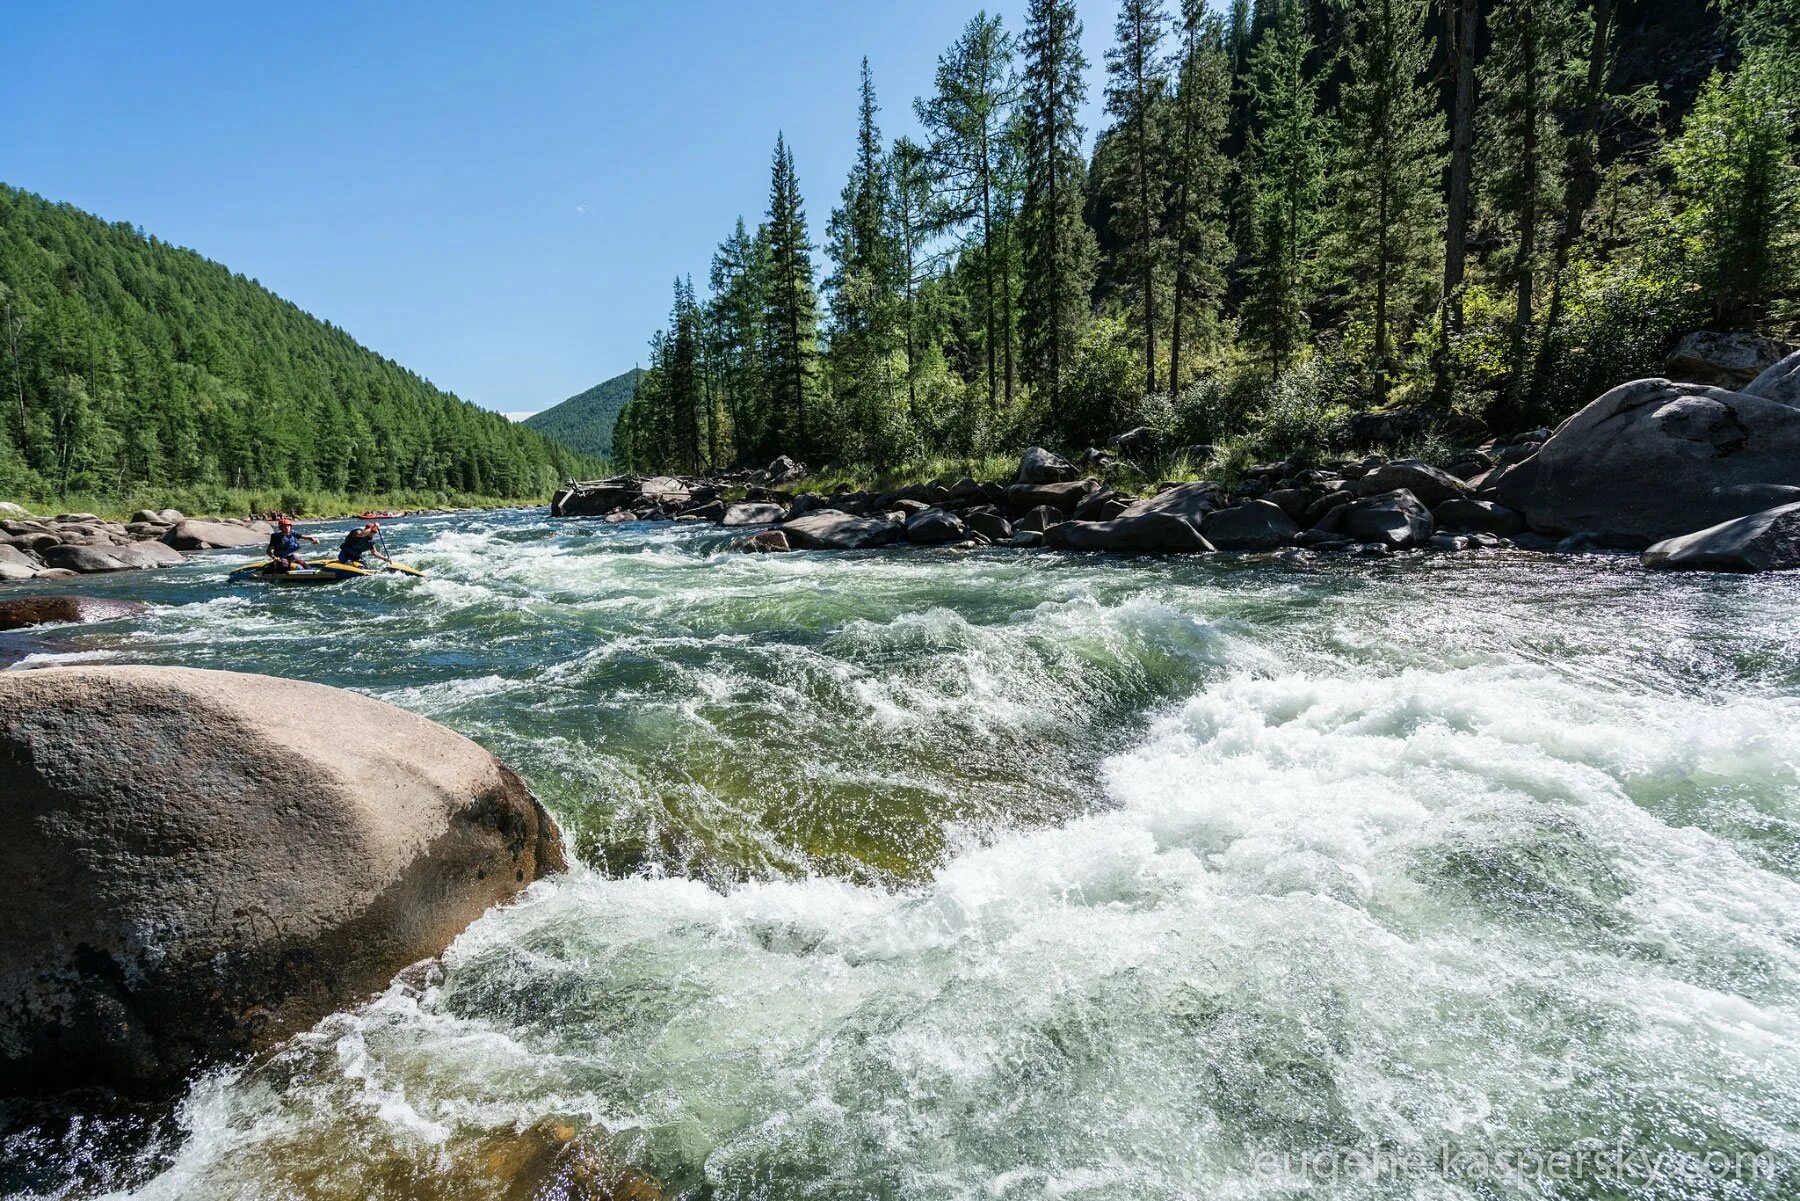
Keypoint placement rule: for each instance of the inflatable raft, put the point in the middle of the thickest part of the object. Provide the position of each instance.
(318, 571)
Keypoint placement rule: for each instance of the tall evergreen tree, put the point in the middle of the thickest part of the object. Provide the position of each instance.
(968, 118)
(864, 303)
(1059, 250)
(682, 381)
(791, 309)
(1286, 179)
(1531, 73)
(909, 218)
(1135, 91)
(1199, 173)
(1462, 21)
(736, 322)
(1389, 161)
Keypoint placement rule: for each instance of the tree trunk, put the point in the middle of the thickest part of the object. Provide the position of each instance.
(1524, 274)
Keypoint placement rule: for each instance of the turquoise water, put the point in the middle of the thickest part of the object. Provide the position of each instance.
(1005, 874)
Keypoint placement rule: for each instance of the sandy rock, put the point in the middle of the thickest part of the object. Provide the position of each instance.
(158, 920)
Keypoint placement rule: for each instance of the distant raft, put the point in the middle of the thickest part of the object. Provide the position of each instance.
(320, 571)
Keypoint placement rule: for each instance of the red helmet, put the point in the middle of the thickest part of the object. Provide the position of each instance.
(285, 522)
(373, 526)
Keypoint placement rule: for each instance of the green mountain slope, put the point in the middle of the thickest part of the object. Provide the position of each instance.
(129, 365)
(584, 422)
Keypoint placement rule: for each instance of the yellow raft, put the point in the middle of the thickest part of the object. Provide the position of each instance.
(318, 571)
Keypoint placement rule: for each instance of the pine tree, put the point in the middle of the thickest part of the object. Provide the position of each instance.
(909, 219)
(791, 310)
(968, 118)
(682, 381)
(1531, 72)
(1285, 185)
(864, 300)
(1199, 173)
(1134, 96)
(1058, 277)
(1462, 20)
(1389, 160)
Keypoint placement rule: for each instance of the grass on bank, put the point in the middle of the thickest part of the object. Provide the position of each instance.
(204, 501)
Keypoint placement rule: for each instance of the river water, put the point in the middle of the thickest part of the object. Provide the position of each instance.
(1014, 875)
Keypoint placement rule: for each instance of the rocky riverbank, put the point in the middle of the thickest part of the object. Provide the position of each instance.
(72, 544)
(1696, 475)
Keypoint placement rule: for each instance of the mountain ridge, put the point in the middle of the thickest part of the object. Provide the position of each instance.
(584, 422)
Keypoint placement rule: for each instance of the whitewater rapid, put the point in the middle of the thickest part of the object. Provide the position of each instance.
(1012, 875)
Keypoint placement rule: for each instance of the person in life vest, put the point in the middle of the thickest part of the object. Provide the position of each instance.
(359, 542)
(284, 545)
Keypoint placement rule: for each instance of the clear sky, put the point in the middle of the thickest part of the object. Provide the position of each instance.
(496, 195)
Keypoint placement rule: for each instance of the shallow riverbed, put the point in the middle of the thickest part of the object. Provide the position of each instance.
(920, 874)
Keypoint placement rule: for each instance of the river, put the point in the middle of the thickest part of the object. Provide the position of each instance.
(924, 874)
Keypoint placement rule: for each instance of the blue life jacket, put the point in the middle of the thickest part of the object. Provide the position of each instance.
(282, 546)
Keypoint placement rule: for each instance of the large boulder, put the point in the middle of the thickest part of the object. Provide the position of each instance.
(1189, 501)
(203, 862)
(88, 560)
(19, 612)
(1478, 517)
(1023, 498)
(783, 470)
(829, 529)
(594, 499)
(934, 527)
(1154, 533)
(1722, 360)
(192, 534)
(1039, 466)
(1432, 486)
(1766, 541)
(1254, 525)
(1780, 383)
(1396, 520)
(146, 554)
(1651, 460)
(752, 513)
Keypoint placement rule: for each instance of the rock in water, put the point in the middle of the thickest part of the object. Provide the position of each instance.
(1651, 460)
(206, 535)
(1253, 525)
(1157, 533)
(20, 612)
(933, 527)
(1190, 501)
(752, 513)
(1767, 541)
(203, 862)
(1395, 520)
(828, 529)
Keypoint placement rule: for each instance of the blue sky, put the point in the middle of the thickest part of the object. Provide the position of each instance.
(495, 195)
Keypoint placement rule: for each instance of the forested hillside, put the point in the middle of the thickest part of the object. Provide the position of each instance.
(128, 365)
(584, 422)
(1297, 209)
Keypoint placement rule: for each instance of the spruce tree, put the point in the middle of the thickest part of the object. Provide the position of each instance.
(791, 310)
(1389, 159)
(1199, 174)
(864, 304)
(1135, 93)
(1530, 74)
(1286, 180)
(909, 219)
(1462, 20)
(1058, 277)
(969, 118)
